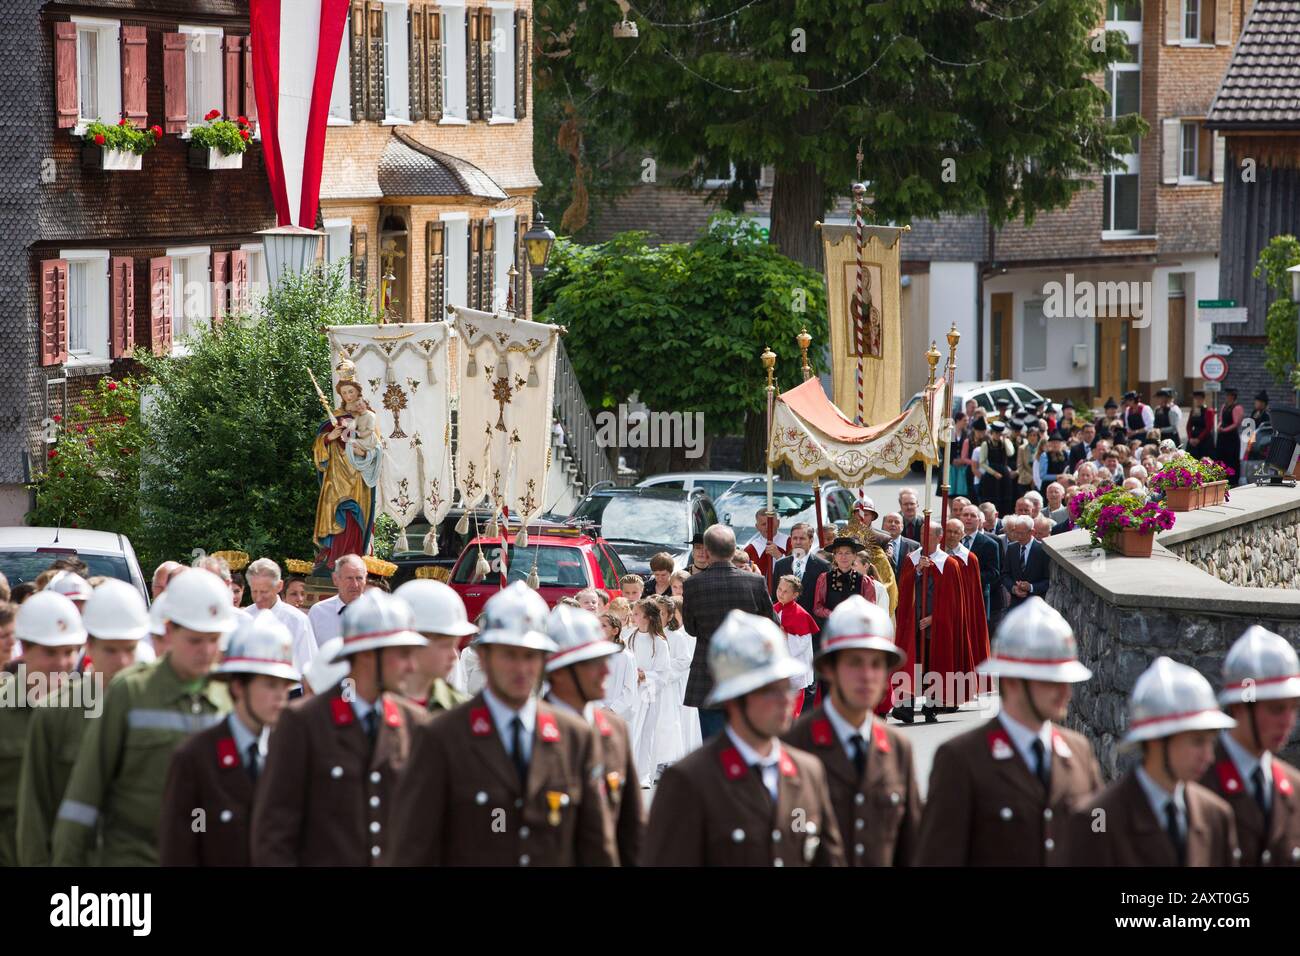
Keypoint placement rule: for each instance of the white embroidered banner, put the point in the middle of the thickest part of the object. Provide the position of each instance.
(405, 376)
(507, 388)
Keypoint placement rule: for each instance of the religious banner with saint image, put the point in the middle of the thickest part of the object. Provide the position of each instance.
(404, 374)
(507, 389)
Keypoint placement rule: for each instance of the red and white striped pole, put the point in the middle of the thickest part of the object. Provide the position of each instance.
(860, 321)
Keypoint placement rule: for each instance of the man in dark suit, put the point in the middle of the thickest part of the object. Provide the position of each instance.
(908, 504)
(707, 598)
(899, 545)
(807, 568)
(1027, 568)
(989, 554)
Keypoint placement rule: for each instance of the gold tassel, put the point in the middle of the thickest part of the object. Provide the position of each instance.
(428, 364)
(533, 380)
(521, 539)
(431, 542)
(534, 581)
(471, 366)
(462, 526)
(481, 568)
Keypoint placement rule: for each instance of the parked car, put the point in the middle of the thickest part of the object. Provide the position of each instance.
(793, 502)
(986, 395)
(568, 559)
(642, 522)
(26, 552)
(714, 483)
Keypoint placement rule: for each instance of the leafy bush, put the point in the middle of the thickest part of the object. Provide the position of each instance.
(124, 136)
(231, 425)
(1280, 358)
(93, 468)
(228, 136)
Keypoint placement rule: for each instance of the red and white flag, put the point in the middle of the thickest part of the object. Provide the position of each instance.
(296, 47)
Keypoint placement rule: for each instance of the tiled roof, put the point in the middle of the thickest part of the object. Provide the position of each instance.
(1262, 86)
(409, 168)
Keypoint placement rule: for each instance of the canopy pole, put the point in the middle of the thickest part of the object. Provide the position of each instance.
(947, 422)
(921, 602)
(804, 340)
(769, 363)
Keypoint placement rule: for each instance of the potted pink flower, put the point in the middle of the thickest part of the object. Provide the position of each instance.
(1122, 521)
(1180, 483)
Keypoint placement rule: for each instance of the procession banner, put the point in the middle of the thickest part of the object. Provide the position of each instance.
(882, 352)
(815, 438)
(405, 375)
(506, 379)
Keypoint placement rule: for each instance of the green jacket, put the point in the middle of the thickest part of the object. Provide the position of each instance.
(14, 720)
(117, 781)
(442, 696)
(53, 740)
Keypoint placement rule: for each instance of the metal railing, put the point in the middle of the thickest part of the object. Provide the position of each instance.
(574, 416)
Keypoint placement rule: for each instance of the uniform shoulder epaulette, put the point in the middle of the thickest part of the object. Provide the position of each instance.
(480, 721)
(547, 728)
(342, 712)
(822, 733)
(788, 767)
(733, 764)
(227, 753)
(881, 736)
(392, 713)
(1229, 779)
(1281, 779)
(602, 723)
(1000, 744)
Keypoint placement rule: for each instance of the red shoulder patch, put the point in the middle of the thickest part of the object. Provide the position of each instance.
(227, 753)
(1229, 779)
(1280, 778)
(342, 712)
(392, 713)
(733, 764)
(788, 768)
(1000, 744)
(602, 723)
(822, 734)
(480, 721)
(547, 728)
(881, 736)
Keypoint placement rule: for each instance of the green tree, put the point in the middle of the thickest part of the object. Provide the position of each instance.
(231, 425)
(1280, 356)
(639, 316)
(958, 106)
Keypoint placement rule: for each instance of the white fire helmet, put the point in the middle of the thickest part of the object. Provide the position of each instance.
(438, 609)
(115, 611)
(260, 645)
(199, 600)
(1034, 642)
(857, 623)
(579, 637)
(377, 620)
(516, 616)
(1261, 665)
(1171, 698)
(50, 620)
(71, 585)
(747, 652)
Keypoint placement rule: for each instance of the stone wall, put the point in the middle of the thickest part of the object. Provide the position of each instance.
(1264, 553)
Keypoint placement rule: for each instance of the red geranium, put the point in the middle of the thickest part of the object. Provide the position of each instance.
(112, 386)
(244, 133)
(243, 121)
(99, 139)
(212, 114)
(157, 132)
(58, 419)
(122, 121)
(53, 453)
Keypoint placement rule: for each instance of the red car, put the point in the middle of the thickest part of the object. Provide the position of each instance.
(568, 559)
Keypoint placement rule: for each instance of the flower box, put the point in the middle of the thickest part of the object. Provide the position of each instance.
(1183, 499)
(1216, 492)
(1135, 544)
(111, 160)
(213, 158)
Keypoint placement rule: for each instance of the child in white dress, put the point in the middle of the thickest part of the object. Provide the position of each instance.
(668, 740)
(654, 661)
(690, 717)
(621, 693)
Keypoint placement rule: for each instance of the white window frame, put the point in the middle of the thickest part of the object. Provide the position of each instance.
(214, 36)
(1195, 38)
(1132, 29)
(455, 245)
(98, 318)
(505, 225)
(108, 54)
(341, 94)
(338, 232)
(185, 323)
(258, 282)
(1186, 127)
(397, 68)
(455, 102)
(503, 46)
(717, 183)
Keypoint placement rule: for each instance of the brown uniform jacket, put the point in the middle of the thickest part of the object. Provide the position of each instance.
(1117, 827)
(622, 785)
(878, 815)
(711, 809)
(460, 803)
(1281, 845)
(985, 807)
(324, 798)
(207, 774)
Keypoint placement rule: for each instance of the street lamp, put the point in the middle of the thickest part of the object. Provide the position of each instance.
(538, 241)
(289, 249)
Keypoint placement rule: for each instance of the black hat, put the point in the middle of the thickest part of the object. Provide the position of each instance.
(1130, 396)
(1003, 402)
(998, 427)
(1057, 435)
(1230, 391)
(980, 425)
(1200, 392)
(843, 541)
(1111, 403)
(1165, 392)
(1262, 397)
(1067, 404)
(697, 538)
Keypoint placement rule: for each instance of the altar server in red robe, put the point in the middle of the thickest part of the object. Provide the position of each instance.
(976, 627)
(768, 545)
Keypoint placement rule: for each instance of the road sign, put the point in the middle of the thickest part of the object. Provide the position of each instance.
(1220, 310)
(1218, 348)
(1213, 387)
(1214, 368)
(1216, 303)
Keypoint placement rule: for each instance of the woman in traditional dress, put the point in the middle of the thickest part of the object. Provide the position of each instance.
(841, 580)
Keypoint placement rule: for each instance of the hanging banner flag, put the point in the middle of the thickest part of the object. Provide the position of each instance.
(877, 326)
(296, 46)
(507, 388)
(405, 377)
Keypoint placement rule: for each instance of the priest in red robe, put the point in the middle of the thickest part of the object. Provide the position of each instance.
(768, 545)
(976, 626)
(941, 682)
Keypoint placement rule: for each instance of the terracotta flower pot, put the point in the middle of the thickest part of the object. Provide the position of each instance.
(1136, 544)
(1216, 492)
(1183, 499)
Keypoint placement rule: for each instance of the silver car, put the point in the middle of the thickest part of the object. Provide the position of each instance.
(26, 552)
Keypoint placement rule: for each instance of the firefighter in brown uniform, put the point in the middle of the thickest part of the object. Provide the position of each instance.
(744, 798)
(334, 760)
(868, 765)
(505, 779)
(207, 809)
(1261, 691)
(440, 618)
(1001, 794)
(1157, 814)
(577, 672)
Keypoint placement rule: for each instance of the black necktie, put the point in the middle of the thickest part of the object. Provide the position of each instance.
(1257, 783)
(254, 761)
(372, 725)
(1176, 835)
(758, 772)
(1041, 770)
(517, 751)
(966, 541)
(1024, 555)
(859, 754)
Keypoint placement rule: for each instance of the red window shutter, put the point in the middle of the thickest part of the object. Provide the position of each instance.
(54, 311)
(238, 282)
(220, 286)
(135, 46)
(232, 47)
(175, 112)
(65, 74)
(160, 304)
(250, 97)
(121, 306)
